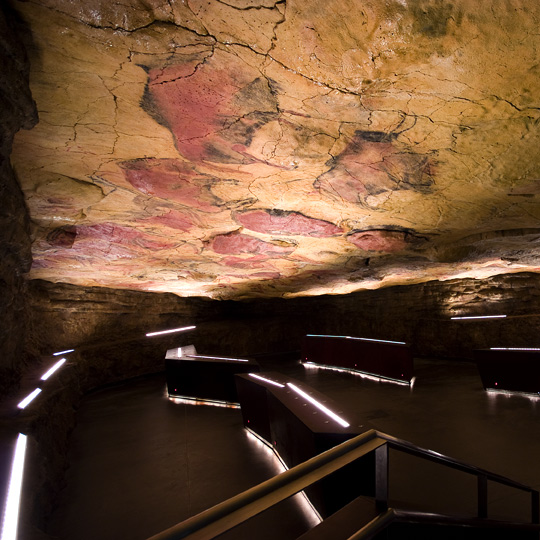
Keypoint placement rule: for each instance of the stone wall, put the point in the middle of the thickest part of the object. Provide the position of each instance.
(17, 110)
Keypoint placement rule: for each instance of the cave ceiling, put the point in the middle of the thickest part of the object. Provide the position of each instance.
(248, 148)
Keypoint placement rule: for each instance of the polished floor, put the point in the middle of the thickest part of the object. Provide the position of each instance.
(141, 463)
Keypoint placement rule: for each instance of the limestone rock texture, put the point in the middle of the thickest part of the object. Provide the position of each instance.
(17, 111)
(279, 148)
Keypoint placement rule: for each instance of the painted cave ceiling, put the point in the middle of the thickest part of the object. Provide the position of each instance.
(246, 148)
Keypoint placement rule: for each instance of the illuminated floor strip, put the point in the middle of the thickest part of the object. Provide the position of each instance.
(186, 400)
(319, 406)
(301, 498)
(358, 373)
(360, 338)
(171, 331)
(214, 358)
(11, 512)
(530, 395)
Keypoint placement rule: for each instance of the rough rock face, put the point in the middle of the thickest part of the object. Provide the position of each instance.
(109, 326)
(257, 148)
(16, 111)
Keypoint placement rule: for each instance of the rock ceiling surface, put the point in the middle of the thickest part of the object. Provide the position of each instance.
(237, 148)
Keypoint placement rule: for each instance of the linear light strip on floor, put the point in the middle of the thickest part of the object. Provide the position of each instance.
(319, 406)
(214, 358)
(480, 317)
(360, 338)
(266, 380)
(63, 352)
(358, 373)
(56, 366)
(171, 331)
(11, 512)
(186, 400)
(30, 397)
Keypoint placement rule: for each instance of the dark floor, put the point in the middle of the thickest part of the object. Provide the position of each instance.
(141, 463)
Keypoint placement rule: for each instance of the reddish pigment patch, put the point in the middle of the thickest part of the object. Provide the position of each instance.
(107, 241)
(258, 261)
(173, 220)
(62, 237)
(379, 240)
(212, 112)
(234, 243)
(372, 164)
(282, 222)
(171, 179)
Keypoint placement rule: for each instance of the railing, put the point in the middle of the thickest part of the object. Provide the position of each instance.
(234, 511)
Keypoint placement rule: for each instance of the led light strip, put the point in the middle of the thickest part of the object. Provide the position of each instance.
(358, 373)
(171, 331)
(359, 338)
(266, 380)
(513, 349)
(214, 358)
(63, 352)
(319, 406)
(11, 512)
(29, 398)
(302, 499)
(480, 317)
(56, 366)
(534, 396)
(187, 400)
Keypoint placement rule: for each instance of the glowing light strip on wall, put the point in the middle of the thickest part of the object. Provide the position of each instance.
(513, 349)
(171, 331)
(63, 352)
(359, 338)
(319, 406)
(11, 512)
(266, 380)
(29, 398)
(56, 366)
(214, 358)
(480, 317)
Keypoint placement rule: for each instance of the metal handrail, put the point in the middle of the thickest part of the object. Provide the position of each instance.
(409, 448)
(240, 508)
(393, 515)
(236, 510)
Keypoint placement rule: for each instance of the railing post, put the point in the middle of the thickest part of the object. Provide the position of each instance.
(381, 478)
(535, 510)
(482, 496)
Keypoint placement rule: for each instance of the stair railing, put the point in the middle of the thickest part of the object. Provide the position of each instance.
(234, 511)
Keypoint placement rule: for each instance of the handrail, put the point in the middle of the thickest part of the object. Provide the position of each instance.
(230, 513)
(409, 448)
(236, 510)
(394, 515)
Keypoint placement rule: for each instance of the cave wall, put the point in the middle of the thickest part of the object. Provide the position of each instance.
(66, 316)
(17, 110)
